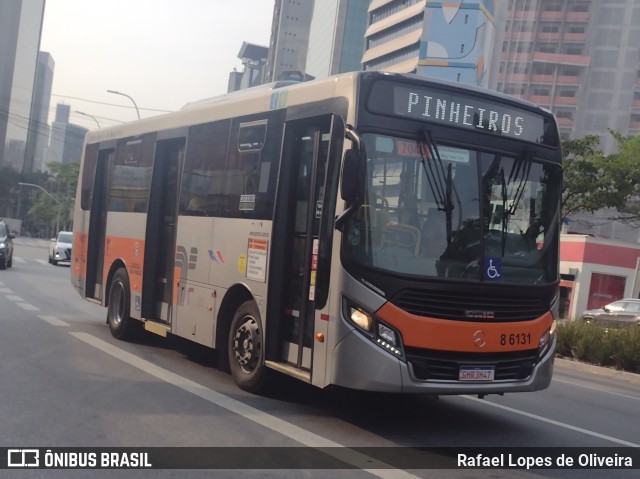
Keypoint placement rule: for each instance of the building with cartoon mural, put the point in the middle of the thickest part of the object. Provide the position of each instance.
(449, 40)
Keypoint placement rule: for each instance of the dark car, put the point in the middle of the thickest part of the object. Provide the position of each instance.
(621, 312)
(6, 246)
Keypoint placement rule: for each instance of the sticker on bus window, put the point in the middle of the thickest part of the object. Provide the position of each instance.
(492, 268)
(247, 202)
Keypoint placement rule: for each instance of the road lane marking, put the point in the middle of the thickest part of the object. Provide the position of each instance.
(6, 290)
(20, 260)
(20, 302)
(307, 438)
(604, 391)
(28, 307)
(52, 320)
(43, 262)
(555, 423)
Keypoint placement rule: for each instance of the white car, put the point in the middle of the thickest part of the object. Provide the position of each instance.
(60, 248)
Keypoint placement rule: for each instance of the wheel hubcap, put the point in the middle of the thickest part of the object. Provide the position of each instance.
(247, 344)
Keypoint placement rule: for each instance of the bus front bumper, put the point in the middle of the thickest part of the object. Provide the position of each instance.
(360, 364)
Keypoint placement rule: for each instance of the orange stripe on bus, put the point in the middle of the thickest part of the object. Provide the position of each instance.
(129, 250)
(471, 336)
(79, 255)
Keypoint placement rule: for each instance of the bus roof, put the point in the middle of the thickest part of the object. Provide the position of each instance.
(261, 98)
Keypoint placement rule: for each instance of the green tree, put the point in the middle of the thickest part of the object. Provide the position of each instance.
(47, 213)
(593, 180)
(624, 167)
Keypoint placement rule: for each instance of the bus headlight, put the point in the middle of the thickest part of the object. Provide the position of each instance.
(361, 319)
(387, 334)
(546, 339)
(380, 333)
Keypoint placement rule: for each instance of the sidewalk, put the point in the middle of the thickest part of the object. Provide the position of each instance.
(599, 370)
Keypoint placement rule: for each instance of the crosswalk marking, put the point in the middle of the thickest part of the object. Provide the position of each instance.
(21, 260)
(28, 307)
(52, 320)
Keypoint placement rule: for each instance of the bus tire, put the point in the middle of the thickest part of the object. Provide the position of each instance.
(121, 324)
(245, 348)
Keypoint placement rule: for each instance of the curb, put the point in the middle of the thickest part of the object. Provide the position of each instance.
(599, 370)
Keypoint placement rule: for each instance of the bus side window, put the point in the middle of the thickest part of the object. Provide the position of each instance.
(131, 174)
(203, 180)
(244, 182)
(88, 173)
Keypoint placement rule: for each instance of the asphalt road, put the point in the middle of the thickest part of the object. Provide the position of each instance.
(65, 382)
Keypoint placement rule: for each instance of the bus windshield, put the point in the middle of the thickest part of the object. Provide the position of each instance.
(441, 210)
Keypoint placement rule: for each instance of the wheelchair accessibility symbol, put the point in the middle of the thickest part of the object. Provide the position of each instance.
(492, 268)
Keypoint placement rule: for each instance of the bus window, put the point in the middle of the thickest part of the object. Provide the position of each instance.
(446, 216)
(88, 173)
(248, 172)
(204, 170)
(131, 174)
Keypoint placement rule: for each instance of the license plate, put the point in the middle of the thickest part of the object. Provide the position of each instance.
(476, 374)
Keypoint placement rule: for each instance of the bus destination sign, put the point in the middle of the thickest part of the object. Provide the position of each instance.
(463, 111)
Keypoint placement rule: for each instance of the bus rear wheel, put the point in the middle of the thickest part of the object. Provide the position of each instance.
(246, 348)
(121, 324)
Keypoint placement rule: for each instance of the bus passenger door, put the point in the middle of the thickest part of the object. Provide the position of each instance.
(160, 233)
(298, 219)
(98, 226)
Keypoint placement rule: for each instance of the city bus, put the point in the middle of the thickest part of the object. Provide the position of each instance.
(374, 231)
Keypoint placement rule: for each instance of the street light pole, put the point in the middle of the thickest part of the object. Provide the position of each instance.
(33, 185)
(132, 100)
(90, 116)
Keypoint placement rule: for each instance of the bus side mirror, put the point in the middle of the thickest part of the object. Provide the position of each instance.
(349, 189)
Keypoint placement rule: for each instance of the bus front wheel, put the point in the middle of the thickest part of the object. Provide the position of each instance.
(246, 348)
(121, 324)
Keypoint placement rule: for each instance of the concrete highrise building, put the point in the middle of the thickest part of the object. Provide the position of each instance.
(450, 40)
(66, 138)
(38, 137)
(336, 37)
(289, 40)
(20, 29)
(579, 58)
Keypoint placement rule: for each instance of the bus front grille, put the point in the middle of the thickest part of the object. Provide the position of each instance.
(445, 365)
(463, 306)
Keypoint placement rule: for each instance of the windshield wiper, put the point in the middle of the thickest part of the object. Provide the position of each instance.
(440, 181)
(505, 211)
(519, 172)
(432, 174)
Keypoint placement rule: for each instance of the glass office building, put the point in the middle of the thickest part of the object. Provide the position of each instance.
(20, 29)
(336, 37)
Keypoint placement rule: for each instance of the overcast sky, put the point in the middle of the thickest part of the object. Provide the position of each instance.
(163, 53)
